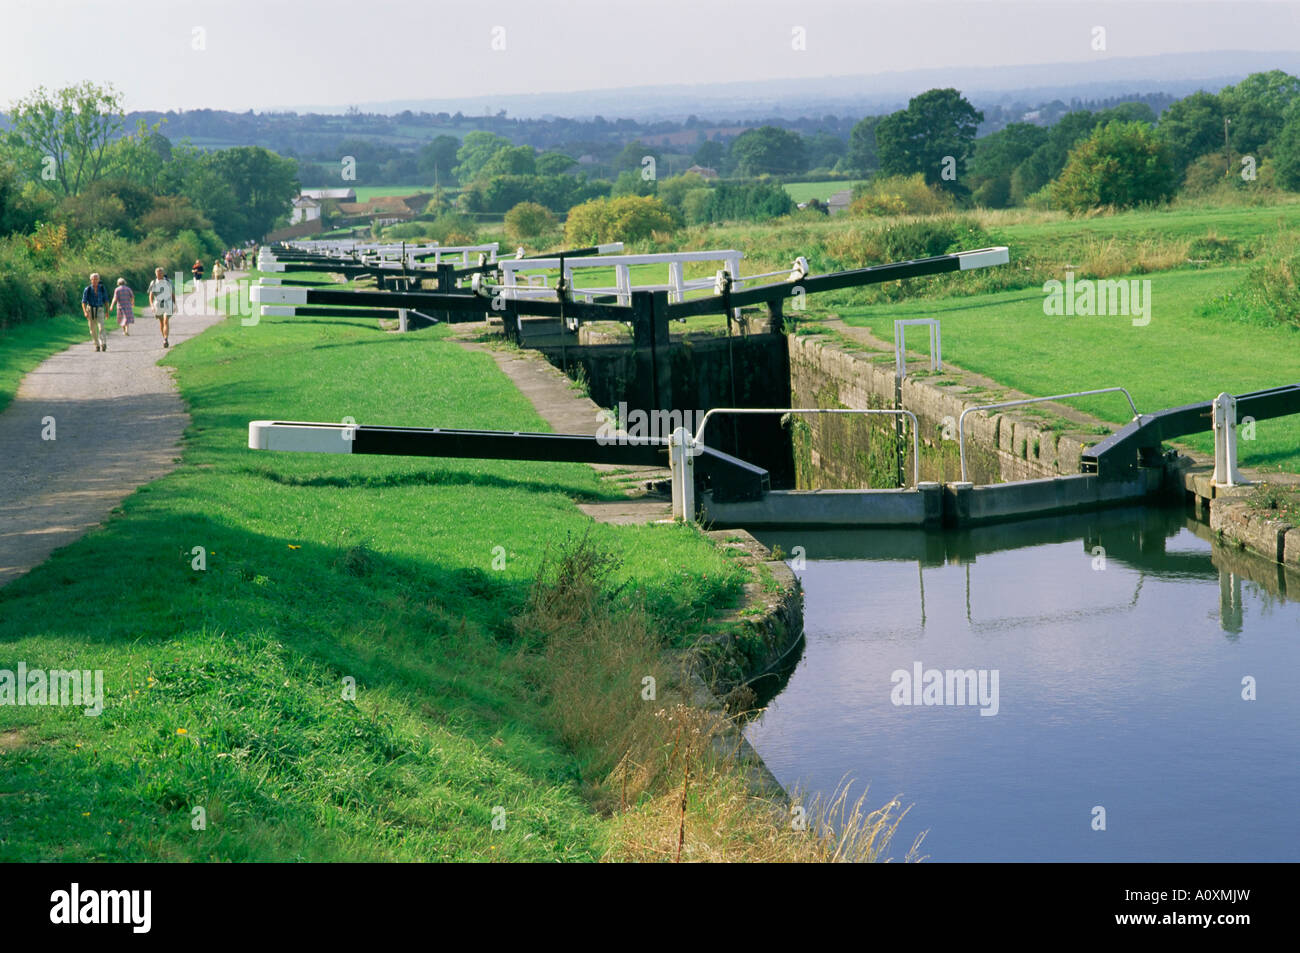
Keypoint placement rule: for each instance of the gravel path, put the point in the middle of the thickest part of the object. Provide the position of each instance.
(118, 422)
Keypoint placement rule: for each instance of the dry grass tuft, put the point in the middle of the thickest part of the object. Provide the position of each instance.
(663, 768)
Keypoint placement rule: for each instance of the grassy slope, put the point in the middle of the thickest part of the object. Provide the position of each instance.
(224, 687)
(1183, 355)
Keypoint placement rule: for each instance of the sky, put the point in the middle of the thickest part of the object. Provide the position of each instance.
(264, 54)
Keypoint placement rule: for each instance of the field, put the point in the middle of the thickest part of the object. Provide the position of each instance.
(803, 191)
(367, 192)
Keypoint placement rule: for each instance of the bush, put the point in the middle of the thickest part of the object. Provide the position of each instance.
(528, 220)
(899, 195)
(931, 237)
(1270, 291)
(1122, 164)
(42, 274)
(628, 218)
(751, 201)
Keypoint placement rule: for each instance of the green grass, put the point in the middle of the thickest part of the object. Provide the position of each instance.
(803, 191)
(224, 686)
(367, 192)
(24, 346)
(1184, 355)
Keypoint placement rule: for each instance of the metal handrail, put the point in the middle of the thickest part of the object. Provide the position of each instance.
(961, 432)
(916, 444)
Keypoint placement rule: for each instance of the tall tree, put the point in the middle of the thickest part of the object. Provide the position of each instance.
(1193, 126)
(768, 149)
(67, 133)
(437, 160)
(479, 146)
(862, 156)
(937, 126)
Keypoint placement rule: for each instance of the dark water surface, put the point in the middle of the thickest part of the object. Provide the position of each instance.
(1117, 687)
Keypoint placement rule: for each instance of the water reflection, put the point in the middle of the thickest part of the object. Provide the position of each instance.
(1121, 677)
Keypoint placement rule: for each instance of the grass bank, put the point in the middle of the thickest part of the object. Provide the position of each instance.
(320, 657)
(1188, 352)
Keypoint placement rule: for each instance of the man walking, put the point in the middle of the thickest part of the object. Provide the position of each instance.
(161, 300)
(94, 301)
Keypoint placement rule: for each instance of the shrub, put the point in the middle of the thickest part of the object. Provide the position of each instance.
(528, 220)
(627, 218)
(899, 195)
(1122, 164)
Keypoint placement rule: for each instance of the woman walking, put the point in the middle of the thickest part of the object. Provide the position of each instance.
(124, 303)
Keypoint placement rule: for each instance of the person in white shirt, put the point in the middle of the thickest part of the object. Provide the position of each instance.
(161, 302)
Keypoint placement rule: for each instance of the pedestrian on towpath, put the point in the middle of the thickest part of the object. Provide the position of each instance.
(94, 299)
(197, 270)
(124, 304)
(161, 301)
(230, 259)
(218, 272)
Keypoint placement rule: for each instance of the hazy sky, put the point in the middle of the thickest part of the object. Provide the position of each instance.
(262, 54)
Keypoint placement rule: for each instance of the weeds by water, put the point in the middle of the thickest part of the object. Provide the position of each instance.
(662, 766)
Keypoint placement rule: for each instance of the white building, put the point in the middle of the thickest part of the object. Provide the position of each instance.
(304, 210)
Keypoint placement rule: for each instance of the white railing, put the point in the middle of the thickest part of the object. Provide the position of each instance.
(961, 421)
(677, 285)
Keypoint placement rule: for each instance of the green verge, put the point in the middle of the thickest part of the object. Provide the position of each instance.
(1187, 353)
(24, 346)
(224, 686)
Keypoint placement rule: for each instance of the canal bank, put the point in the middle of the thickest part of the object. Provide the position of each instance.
(756, 642)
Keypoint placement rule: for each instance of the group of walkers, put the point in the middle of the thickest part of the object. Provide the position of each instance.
(97, 300)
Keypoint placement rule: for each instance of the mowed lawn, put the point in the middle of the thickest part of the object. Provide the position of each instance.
(226, 734)
(1184, 355)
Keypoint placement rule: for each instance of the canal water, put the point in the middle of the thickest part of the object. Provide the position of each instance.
(1067, 667)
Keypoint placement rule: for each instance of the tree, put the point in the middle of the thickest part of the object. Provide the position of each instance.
(1256, 109)
(632, 158)
(1287, 150)
(631, 182)
(672, 191)
(528, 220)
(263, 184)
(710, 154)
(70, 129)
(824, 150)
(628, 218)
(437, 159)
(139, 157)
(996, 157)
(512, 160)
(1046, 162)
(479, 146)
(554, 163)
(861, 155)
(937, 126)
(768, 150)
(1121, 164)
(1193, 126)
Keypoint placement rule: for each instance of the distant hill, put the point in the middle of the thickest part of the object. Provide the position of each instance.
(1104, 77)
